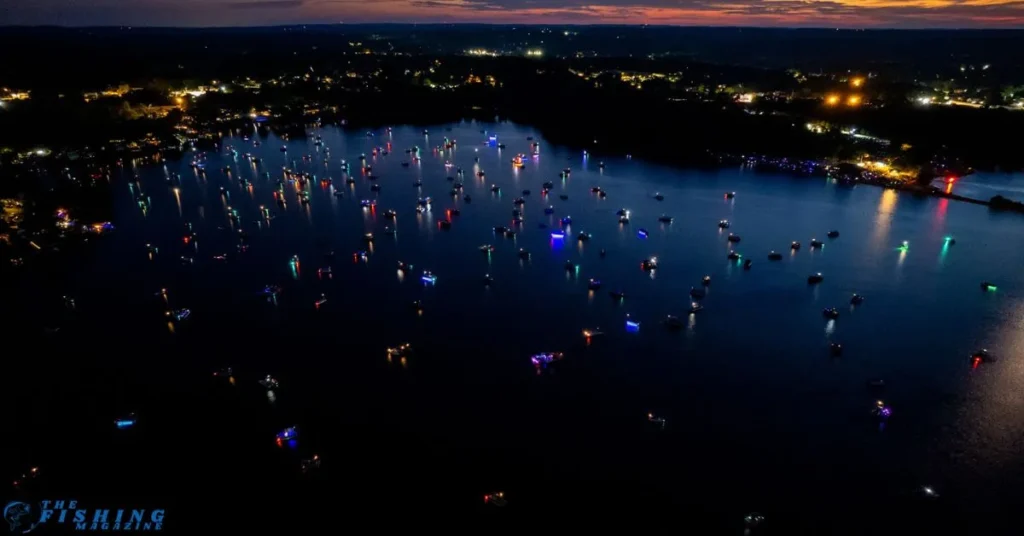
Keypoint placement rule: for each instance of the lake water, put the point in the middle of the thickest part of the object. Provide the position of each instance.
(760, 416)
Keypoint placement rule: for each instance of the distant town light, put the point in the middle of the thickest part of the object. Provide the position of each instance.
(832, 100)
(857, 82)
(854, 100)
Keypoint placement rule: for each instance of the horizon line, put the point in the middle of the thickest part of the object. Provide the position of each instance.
(533, 25)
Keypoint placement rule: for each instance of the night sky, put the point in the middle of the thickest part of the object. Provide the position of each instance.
(796, 13)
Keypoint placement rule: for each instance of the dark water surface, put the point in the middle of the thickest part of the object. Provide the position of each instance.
(759, 416)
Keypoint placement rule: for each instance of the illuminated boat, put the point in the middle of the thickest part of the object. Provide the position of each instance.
(831, 313)
(428, 278)
(774, 256)
(733, 237)
(815, 278)
(269, 382)
(178, 315)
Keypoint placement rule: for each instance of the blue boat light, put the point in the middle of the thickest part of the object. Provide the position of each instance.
(558, 235)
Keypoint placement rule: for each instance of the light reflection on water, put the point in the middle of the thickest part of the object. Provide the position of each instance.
(760, 328)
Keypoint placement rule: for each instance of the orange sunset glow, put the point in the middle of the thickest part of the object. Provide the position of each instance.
(784, 13)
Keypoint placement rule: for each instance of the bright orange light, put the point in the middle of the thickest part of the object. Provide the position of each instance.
(179, 100)
(832, 100)
(854, 100)
(856, 82)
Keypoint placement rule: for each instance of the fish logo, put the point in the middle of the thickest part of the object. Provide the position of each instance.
(19, 517)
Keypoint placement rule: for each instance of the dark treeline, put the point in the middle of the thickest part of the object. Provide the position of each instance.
(77, 55)
(663, 120)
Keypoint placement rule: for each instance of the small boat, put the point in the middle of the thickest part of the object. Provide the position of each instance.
(733, 238)
(569, 266)
(623, 219)
(815, 278)
(417, 306)
(985, 285)
(600, 165)
(390, 231)
(595, 189)
(794, 245)
(665, 219)
(833, 234)
(404, 267)
(417, 184)
(747, 263)
(881, 411)
(950, 241)
(519, 201)
(373, 188)
(774, 256)
(549, 210)
(495, 499)
(548, 185)
(856, 299)
(831, 313)
(730, 195)
(602, 194)
(733, 256)
(723, 224)
(270, 382)
(706, 281)
(583, 237)
(563, 197)
(523, 254)
(428, 278)
(423, 201)
(622, 212)
(632, 325)
(320, 302)
(510, 234)
(835, 349)
(488, 280)
(288, 434)
(444, 224)
(617, 295)
(602, 253)
(567, 220)
(816, 244)
(526, 192)
(674, 322)
(366, 203)
(641, 232)
(125, 422)
(326, 270)
(390, 214)
(649, 264)
(350, 180)
(981, 356)
(594, 284)
(590, 333)
(368, 237)
(339, 193)
(467, 199)
(542, 360)
(178, 315)
(695, 308)
(486, 248)
(659, 197)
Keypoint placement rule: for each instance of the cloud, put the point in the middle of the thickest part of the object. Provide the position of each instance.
(267, 4)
